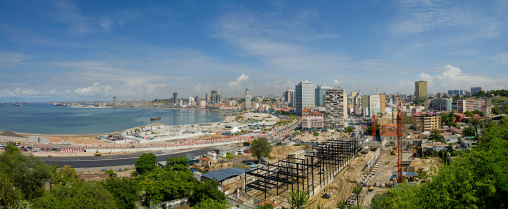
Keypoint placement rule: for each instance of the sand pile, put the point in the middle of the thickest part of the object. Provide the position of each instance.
(12, 134)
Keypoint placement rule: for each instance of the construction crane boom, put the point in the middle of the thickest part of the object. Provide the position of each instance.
(373, 126)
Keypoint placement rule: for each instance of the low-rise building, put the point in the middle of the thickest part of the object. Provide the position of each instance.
(311, 119)
(226, 176)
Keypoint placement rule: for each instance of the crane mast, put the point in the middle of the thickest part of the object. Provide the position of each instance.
(400, 177)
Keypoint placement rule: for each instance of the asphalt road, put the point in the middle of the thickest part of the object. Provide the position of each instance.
(116, 160)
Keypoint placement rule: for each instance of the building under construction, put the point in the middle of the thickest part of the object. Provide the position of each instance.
(308, 171)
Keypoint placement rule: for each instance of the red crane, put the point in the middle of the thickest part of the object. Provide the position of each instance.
(373, 126)
(400, 177)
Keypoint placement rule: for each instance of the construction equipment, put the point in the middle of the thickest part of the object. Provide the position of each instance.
(400, 176)
(394, 152)
(373, 126)
(18, 143)
(97, 153)
(371, 188)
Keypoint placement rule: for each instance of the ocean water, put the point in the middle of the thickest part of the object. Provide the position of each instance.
(49, 119)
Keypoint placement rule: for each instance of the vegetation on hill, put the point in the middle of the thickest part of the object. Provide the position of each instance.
(477, 178)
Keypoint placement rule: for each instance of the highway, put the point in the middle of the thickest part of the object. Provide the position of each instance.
(116, 160)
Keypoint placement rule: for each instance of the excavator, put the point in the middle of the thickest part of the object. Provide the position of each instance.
(97, 153)
(393, 151)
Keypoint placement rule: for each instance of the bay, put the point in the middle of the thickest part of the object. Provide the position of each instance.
(49, 119)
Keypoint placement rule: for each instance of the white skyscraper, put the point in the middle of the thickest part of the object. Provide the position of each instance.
(247, 99)
(305, 96)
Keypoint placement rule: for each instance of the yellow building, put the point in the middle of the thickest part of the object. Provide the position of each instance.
(426, 121)
(421, 90)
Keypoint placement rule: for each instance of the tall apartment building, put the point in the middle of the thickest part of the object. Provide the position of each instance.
(357, 104)
(421, 90)
(289, 98)
(320, 95)
(208, 98)
(475, 90)
(470, 105)
(425, 122)
(305, 96)
(440, 104)
(336, 108)
(248, 99)
(175, 98)
(114, 101)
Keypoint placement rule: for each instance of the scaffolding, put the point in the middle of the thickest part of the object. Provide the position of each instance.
(319, 166)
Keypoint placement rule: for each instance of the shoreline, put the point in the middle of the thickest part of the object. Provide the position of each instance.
(224, 119)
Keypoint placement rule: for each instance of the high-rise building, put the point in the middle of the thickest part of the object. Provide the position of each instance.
(336, 108)
(475, 90)
(470, 105)
(320, 95)
(305, 96)
(421, 90)
(114, 101)
(214, 96)
(208, 98)
(248, 98)
(289, 97)
(440, 104)
(175, 98)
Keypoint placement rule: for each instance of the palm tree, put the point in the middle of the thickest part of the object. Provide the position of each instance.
(357, 191)
(298, 199)
(341, 204)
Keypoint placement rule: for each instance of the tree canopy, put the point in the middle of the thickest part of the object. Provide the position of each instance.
(146, 163)
(260, 148)
(206, 190)
(477, 178)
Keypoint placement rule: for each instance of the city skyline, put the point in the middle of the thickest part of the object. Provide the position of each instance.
(87, 50)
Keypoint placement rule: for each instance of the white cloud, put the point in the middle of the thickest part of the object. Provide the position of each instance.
(419, 16)
(198, 87)
(501, 58)
(9, 59)
(19, 93)
(242, 78)
(94, 90)
(335, 82)
(453, 78)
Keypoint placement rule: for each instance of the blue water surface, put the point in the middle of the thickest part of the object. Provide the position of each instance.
(49, 119)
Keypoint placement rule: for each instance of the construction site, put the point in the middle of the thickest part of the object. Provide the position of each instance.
(309, 170)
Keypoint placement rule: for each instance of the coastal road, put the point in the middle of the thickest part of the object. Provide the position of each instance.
(117, 160)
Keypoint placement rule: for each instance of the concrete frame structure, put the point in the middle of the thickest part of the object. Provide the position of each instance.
(426, 121)
(325, 161)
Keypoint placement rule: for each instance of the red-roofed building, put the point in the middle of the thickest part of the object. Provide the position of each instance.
(311, 119)
(389, 131)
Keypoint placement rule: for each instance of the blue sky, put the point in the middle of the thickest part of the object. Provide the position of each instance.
(94, 50)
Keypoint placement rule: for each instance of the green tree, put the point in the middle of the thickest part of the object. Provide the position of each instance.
(164, 185)
(28, 173)
(208, 189)
(67, 176)
(341, 204)
(469, 113)
(298, 199)
(210, 203)
(469, 131)
(357, 191)
(146, 163)
(260, 148)
(316, 134)
(349, 130)
(111, 173)
(124, 190)
(435, 134)
(177, 163)
(80, 195)
(9, 193)
(229, 156)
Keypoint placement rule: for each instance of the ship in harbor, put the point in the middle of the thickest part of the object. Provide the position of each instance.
(155, 118)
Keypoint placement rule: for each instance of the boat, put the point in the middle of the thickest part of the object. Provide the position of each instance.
(155, 118)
